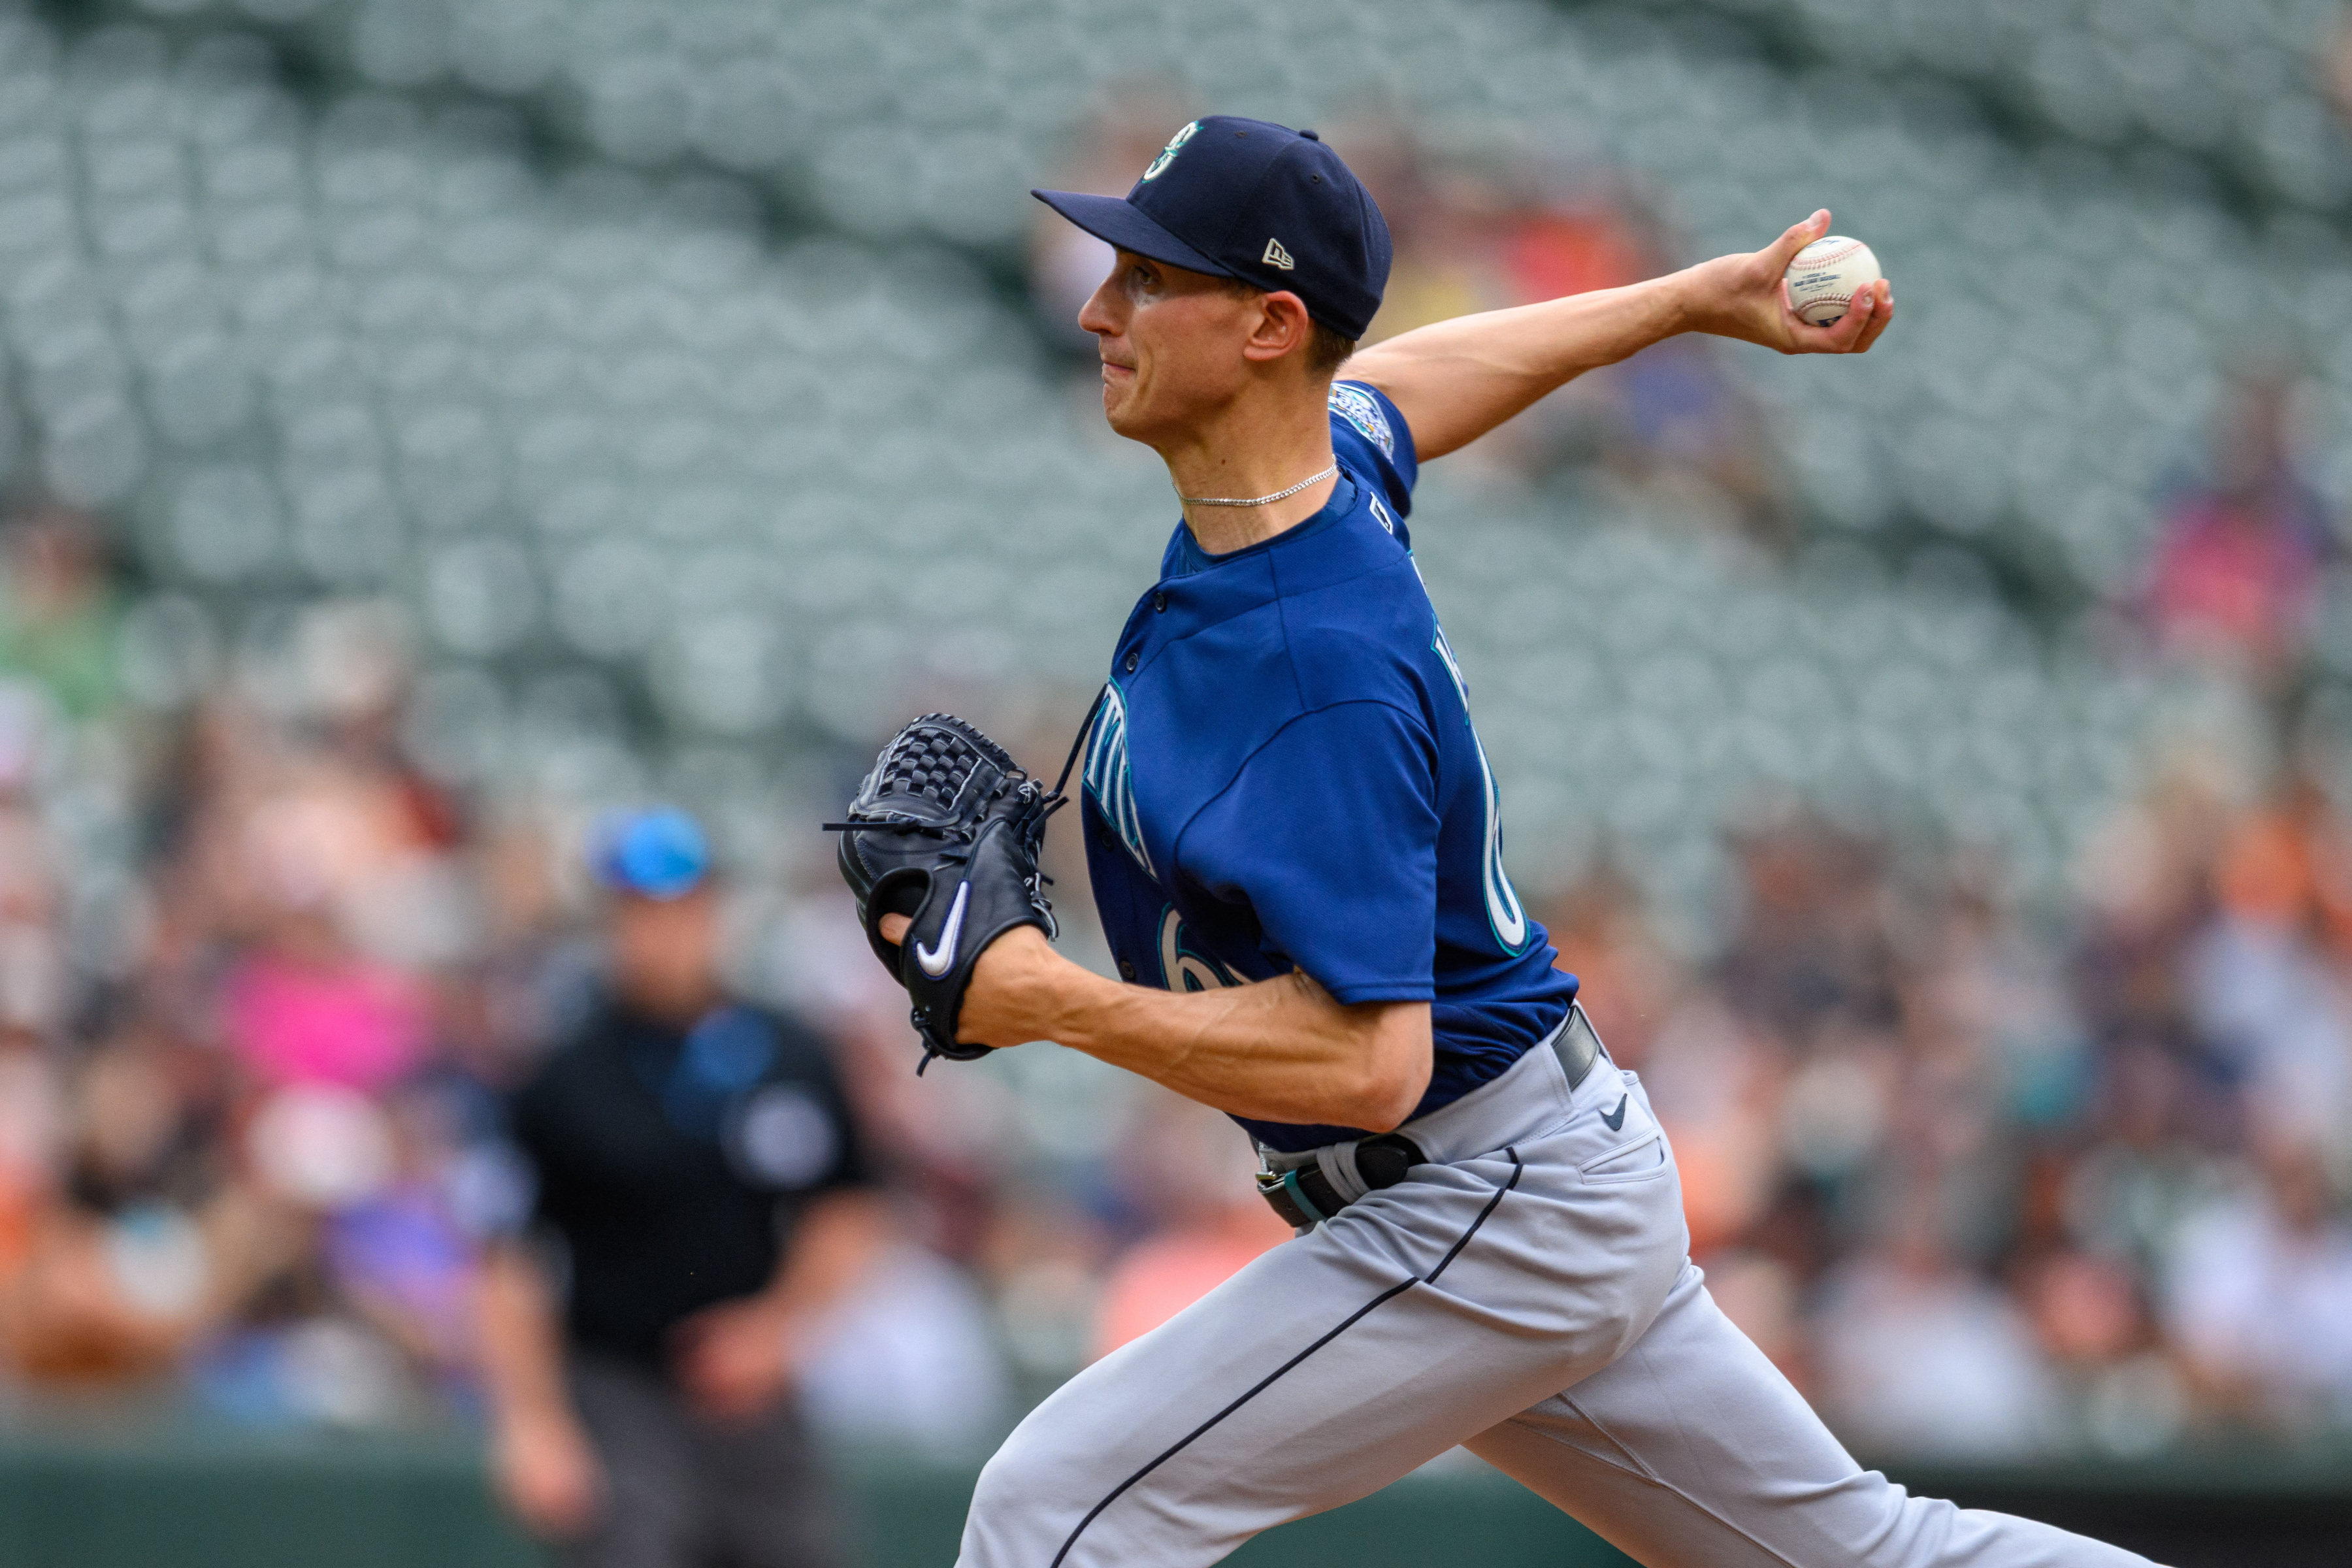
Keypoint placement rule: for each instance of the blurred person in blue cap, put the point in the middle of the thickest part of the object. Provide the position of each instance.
(700, 1194)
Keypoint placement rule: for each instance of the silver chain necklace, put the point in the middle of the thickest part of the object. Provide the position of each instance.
(1307, 483)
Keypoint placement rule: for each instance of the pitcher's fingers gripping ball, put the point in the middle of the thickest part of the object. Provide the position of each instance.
(946, 830)
(1825, 276)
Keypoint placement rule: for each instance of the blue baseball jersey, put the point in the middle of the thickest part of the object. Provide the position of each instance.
(1284, 775)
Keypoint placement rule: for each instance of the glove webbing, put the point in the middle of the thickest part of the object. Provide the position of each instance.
(1052, 800)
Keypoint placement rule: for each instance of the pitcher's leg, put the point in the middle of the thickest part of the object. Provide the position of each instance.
(1260, 1404)
(1693, 1451)
(1323, 1371)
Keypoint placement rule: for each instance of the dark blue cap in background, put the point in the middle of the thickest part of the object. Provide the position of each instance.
(659, 853)
(1257, 201)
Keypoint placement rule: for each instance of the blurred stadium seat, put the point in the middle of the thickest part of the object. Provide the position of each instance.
(367, 350)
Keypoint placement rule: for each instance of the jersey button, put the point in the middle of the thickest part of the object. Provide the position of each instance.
(1131, 661)
(1127, 969)
(1158, 602)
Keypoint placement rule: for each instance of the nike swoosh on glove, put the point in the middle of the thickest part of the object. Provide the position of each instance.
(946, 830)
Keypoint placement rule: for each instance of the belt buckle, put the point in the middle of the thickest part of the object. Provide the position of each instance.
(1302, 1190)
(1283, 1193)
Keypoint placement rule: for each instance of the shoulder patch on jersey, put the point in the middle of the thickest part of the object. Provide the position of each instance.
(1109, 782)
(1361, 410)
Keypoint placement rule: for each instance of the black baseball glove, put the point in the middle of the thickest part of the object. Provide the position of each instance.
(946, 831)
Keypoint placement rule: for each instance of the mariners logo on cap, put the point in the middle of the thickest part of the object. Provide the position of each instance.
(1167, 154)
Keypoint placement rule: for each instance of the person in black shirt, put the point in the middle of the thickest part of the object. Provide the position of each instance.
(700, 1196)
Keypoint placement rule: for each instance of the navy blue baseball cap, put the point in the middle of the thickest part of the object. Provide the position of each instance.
(1256, 201)
(659, 853)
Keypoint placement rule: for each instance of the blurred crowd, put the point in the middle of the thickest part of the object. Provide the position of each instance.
(1984, 1186)
(1983, 1178)
(269, 986)
(239, 1069)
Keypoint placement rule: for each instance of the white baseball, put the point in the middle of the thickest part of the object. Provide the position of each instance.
(1825, 277)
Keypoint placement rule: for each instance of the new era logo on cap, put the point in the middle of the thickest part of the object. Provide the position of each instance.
(1221, 186)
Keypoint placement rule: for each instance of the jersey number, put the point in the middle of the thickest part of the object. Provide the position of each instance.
(1504, 914)
(1180, 968)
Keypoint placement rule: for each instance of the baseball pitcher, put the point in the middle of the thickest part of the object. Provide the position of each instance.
(1295, 845)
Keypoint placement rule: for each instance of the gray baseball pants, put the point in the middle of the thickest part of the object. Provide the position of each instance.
(1527, 1295)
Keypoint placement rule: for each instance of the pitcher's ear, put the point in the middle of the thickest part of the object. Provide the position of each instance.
(1283, 326)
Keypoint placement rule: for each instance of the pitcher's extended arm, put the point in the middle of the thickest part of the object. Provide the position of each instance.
(1455, 381)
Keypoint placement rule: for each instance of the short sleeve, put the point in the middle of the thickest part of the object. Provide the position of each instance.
(1369, 434)
(1330, 835)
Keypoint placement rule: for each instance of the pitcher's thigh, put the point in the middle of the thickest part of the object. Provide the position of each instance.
(1272, 1399)
(1320, 1373)
(1693, 1451)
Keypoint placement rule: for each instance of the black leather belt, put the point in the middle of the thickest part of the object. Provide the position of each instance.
(1296, 1188)
(1577, 1045)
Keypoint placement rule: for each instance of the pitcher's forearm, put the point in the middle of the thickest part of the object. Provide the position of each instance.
(1456, 380)
(1274, 1050)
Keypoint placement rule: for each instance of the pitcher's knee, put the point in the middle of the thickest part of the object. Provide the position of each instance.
(1005, 1478)
(1021, 1506)
(1930, 1533)
(1892, 1529)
